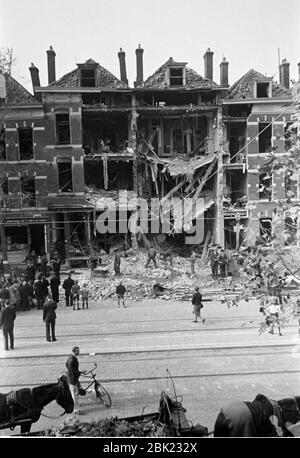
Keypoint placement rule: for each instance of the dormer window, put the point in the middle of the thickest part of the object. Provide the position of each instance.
(263, 89)
(176, 75)
(88, 78)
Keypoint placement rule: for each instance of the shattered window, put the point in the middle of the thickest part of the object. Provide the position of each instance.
(176, 76)
(290, 183)
(63, 136)
(290, 230)
(265, 229)
(88, 78)
(265, 186)
(2, 145)
(3, 192)
(65, 179)
(28, 192)
(265, 137)
(25, 143)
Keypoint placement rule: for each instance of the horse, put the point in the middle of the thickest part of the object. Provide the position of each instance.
(262, 417)
(24, 407)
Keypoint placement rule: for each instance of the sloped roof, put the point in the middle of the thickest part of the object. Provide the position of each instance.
(16, 94)
(243, 88)
(103, 78)
(193, 79)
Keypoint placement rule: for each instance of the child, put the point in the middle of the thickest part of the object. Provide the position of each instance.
(84, 296)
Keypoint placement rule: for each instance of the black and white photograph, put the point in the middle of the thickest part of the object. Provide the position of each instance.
(149, 223)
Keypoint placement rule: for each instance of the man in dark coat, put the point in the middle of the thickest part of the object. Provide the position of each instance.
(67, 286)
(56, 265)
(7, 319)
(45, 285)
(44, 263)
(54, 285)
(121, 290)
(197, 305)
(49, 317)
(39, 292)
(73, 375)
(25, 291)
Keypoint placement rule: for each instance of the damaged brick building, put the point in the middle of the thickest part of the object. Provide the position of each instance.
(68, 150)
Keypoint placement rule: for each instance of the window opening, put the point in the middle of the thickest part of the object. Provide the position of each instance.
(265, 137)
(2, 145)
(262, 90)
(176, 76)
(88, 78)
(265, 186)
(63, 128)
(28, 192)
(65, 181)
(265, 229)
(25, 143)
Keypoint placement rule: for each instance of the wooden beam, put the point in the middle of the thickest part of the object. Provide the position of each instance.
(203, 180)
(204, 251)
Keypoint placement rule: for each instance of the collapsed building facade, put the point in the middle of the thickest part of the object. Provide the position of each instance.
(70, 149)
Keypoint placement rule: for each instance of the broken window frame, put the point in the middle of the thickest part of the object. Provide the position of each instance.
(176, 80)
(28, 197)
(290, 185)
(4, 199)
(263, 147)
(63, 128)
(289, 136)
(65, 185)
(291, 226)
(25, 137)
(88, 79)
(266, 193)
(269, 231)
(3, 156)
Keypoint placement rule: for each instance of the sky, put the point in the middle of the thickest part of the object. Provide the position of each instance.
(248, 33)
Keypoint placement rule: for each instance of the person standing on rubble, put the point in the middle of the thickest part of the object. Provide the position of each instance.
(193, 261)
(197, 305)
(121, 290)
(117, 262)
(75, 292)
(213, 257)
(151, 256)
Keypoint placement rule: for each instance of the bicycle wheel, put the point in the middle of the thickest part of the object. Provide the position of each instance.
(102, 394)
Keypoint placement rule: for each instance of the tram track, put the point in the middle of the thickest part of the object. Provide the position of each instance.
(161, 378)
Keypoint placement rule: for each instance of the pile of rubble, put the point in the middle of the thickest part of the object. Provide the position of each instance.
(109, 427)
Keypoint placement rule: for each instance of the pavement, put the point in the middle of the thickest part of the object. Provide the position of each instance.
(210, 363)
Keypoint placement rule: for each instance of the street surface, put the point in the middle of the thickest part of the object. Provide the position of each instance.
(211, 364)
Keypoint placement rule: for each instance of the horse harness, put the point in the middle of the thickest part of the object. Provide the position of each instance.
(12, 401)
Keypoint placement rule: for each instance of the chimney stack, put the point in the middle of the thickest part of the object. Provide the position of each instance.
(139, 65)
(224, 73)
(208, 64)
(51, 65)
(284, 74)
(35, 79)
(123, 75)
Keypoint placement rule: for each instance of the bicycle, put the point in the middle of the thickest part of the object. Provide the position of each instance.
(101, 393)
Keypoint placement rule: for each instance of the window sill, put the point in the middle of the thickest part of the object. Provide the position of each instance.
(63, 146)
